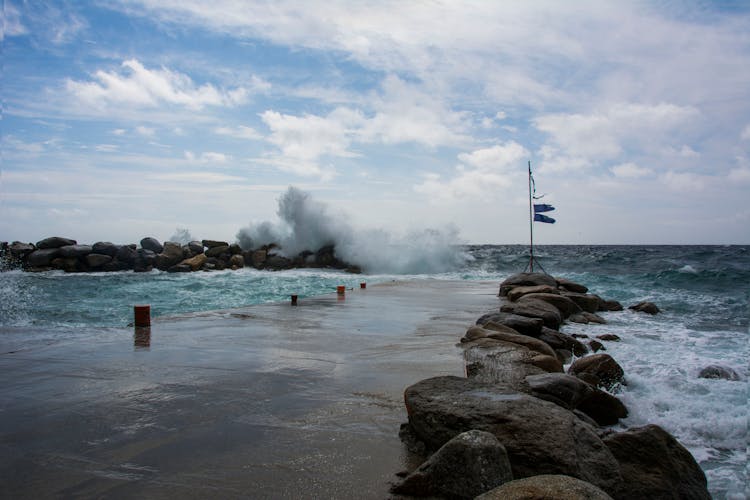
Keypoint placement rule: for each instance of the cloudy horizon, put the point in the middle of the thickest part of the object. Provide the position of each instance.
(134, 118)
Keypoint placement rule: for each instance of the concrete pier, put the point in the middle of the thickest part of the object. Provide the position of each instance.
(268, 401)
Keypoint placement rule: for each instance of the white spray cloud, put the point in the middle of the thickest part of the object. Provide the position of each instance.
(306, 224)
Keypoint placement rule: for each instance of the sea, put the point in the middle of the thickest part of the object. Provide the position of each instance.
(703, 293)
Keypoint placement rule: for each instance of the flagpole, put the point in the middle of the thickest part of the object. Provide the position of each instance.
(531, 227)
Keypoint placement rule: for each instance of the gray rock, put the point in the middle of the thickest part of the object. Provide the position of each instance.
(610, 305)
(571, 286)
(195, 247)
(277, 262)
(152, 244)
(526, 279)
(559, 388)
(498, 362)
(75, 251)
(546, 487)
(646, 307)
(105, 248)
(522, 324)
(96, 260)
(21, 250)
(596, 346)
(587, 302)
(469, 464)
(561, 302)
(559, 340)
(539, 436)
(214, 243)
(54, 242)
(516, 293)
(515, 338)
(237, 261)
(42, 257)
(548, 313)
(170, 255)
(720, 372)
(127, 254)
(610, 337)
(600, 370)
(217, 250)
(654, 464)
(603, 407)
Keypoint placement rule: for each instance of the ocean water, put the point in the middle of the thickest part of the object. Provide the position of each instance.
(703, 292)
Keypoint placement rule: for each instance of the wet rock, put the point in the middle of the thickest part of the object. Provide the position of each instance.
(196, 262)
(277, 262)
(105, 248)
(67, 264)
(144, 261)
(214, 243)
(259, 258)
(180, 268)
(547, 363)
(97, 260)
(74, 251)
(526, 326)
(469, 464)
(600, 370)
(610, 305)
(646, 307)
(127, 254)
(587, 302)
(539, 436)
(43, 257)
(515, 338)
(170, 255)
(195, 247)
(152, 244)
(497, 362)
(596, 346)
(546, 487)
(548, 313)
(526, 279)
(237, 261)
(720, 372)
(654, 464)
(571, 286)
(610, 337)
(519, 291)
(561, 302)
(54, 242)
(217, 250)
(603, 407)
(20, 250)
(559, 340)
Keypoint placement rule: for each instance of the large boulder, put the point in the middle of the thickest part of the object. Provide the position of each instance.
(42, 257)
(20, 250)
(237, 261)
(600, 370)
(97, 260)
(214, 243)
(539, 436)
(195, 247)
(106, 248)
(152, 244)
(718, 371)
(522, 324)
(586, 301)
(573, 393)
(127, 254)
(259, 258)
(546, 487)
(571, 286)
(645, 307)
(217, 250)
(469, 464)
(561, 302)
(610, 305)
(170, 255)
(519, 291)
(74, 251)
(535, 309)
(559, 340)
(526, 279)
(515, 338)
(654, 464)
(54, 242)
(196, 262)
(497, 362)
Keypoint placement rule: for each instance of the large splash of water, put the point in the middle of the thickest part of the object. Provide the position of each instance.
(307, 224)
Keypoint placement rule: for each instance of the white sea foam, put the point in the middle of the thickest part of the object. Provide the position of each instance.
(307, 224)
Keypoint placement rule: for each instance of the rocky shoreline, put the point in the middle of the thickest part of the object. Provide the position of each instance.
(206, 255)
(519, 426)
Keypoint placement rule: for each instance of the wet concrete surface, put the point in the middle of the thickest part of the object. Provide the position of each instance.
(268, 401)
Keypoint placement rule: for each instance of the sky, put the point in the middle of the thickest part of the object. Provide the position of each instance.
(140, 117)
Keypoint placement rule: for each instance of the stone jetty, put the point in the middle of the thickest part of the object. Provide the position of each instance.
(519, 426)
(68, 255)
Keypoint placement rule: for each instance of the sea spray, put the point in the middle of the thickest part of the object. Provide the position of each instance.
(307, 224)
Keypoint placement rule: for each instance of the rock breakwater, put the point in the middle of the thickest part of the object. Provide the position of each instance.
(554, 427)
(68, 255)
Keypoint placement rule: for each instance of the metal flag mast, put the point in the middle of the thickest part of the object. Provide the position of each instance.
(535, 216)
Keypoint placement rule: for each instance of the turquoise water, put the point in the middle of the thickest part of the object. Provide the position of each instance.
(703, 292)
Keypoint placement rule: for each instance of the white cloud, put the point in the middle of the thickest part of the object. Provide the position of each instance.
(119, 131)
(107, 148)
(12, 25)
(143, 87)
(684, 181)
(207, 157)
(630, 171)
(240, 132)
(479, 174)
(145, 131)
(740, 175)
(745, 135)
